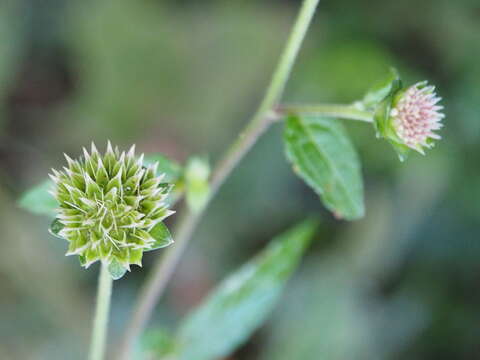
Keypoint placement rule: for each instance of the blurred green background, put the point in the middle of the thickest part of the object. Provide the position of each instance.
(182, 77)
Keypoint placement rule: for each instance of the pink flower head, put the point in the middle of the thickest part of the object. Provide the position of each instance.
(416, 116)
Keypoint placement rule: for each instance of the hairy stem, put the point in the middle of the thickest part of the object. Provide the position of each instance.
(99, 333)
(261, 120)
(351, 112)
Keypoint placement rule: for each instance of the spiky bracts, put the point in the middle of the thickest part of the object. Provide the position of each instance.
(111, 207)
(416, 116)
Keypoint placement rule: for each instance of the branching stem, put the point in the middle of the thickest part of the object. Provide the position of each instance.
(261, 120)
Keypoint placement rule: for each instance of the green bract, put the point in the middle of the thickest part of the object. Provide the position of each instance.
(111, 208)
(381, 89)
(383, 120)
(380, 99)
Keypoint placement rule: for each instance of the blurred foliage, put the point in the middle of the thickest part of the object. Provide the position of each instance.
(118, 48)
(10, 38)
(39, 200)
(241, 302)
(180, 77)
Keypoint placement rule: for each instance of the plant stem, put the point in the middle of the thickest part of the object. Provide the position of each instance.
(99, 333)
(350, 112)
(261, 120)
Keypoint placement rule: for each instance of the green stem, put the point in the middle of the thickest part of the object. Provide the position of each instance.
(259, 123)
(99, 333)
(350, 112)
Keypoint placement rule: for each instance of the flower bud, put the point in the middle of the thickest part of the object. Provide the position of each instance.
(197, 172)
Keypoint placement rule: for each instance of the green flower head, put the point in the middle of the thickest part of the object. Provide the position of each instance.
(111, 208)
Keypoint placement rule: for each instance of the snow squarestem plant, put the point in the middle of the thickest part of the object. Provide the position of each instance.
(110, 208)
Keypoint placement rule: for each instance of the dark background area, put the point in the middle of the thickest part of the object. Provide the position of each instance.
(182, 78)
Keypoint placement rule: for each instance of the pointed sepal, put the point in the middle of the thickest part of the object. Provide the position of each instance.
(116, 269)
(161, 235)
(55, 227)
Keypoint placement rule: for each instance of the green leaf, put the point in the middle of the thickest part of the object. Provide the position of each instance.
(162, 236)
(116, 269)
(38, 200)
(55, 227)
(323, 156)
(381, 89)
(240, 304)
(170, 168)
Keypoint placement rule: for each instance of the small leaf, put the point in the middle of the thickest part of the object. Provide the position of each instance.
(162, 236)
(381, 89)
(55, 227)
(116, 269)
(323, 156)
(240, 304)
(38, 200)
(170, 168)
